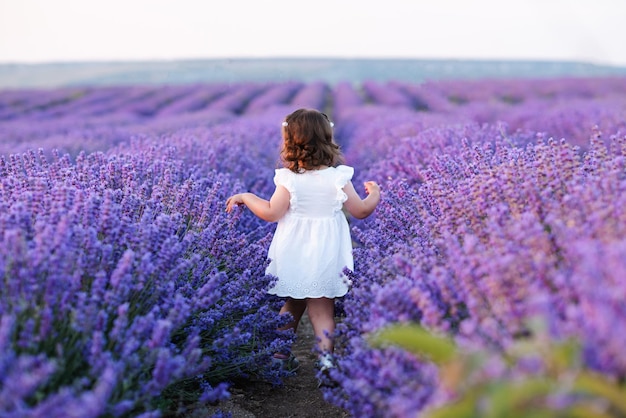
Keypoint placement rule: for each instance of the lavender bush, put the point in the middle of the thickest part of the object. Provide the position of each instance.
(480, 229)
(124, 279)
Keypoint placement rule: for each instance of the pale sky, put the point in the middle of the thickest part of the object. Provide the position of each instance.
(120, 30)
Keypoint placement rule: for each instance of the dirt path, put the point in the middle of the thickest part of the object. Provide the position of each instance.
(299, 397)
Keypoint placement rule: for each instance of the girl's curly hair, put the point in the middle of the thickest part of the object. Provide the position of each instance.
(308, 141)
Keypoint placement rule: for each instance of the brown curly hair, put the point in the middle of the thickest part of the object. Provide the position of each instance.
(308, 141)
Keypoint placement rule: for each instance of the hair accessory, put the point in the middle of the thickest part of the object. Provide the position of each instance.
(285, 123)
(327, 118)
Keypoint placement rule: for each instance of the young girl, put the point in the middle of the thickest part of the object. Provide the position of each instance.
(312, 244)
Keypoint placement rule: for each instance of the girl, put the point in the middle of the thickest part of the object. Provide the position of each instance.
(312, 244)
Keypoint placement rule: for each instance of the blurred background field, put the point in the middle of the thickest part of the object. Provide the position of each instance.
(329, 70)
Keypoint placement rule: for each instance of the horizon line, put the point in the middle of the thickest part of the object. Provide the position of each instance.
(308, 58)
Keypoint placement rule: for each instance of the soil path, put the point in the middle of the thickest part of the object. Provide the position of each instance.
(299, 397)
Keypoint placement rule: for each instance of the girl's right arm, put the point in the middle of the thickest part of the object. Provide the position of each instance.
(268, 210)
(361, 208)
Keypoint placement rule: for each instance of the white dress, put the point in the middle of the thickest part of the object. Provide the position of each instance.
(312, 243)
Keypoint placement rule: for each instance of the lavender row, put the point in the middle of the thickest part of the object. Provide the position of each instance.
(439, 96)
(100, 119)
(480, 230)
(145, 102)
(125, 280)
(563, 108)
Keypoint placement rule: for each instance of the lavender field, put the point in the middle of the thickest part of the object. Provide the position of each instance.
(128, 291)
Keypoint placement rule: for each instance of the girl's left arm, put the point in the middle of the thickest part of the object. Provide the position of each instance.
(268, 210)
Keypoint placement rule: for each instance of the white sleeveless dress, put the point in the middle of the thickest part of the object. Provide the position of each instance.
(312, 243)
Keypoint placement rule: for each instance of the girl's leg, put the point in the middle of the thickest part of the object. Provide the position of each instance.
(296, 308)
(322, 316)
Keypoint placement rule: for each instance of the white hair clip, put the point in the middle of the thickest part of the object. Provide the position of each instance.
(331, 124)
(285, 123)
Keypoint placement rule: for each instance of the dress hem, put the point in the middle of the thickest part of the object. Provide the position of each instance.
(307, 297)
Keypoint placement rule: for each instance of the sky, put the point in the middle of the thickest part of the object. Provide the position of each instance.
(36, 31)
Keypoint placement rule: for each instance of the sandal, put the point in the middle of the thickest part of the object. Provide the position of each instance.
(324, 364)
(288, 363)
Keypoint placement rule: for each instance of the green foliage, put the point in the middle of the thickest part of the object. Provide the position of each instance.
(415, 339)
(558, 385)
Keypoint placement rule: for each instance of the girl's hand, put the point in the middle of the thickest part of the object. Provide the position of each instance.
(371, 186)
(234, 200)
